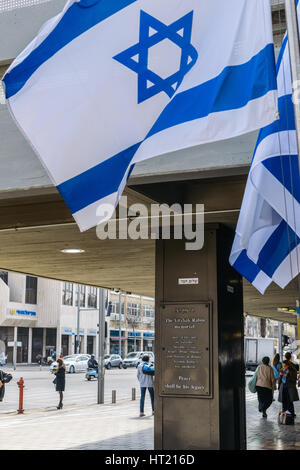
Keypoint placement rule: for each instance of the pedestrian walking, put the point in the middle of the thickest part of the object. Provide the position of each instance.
(4, 379)
(146, 381)
(60, 381)
(265, 384)
(287, 387)
(276, 365)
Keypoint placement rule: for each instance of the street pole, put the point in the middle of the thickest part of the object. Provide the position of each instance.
(294, 49)
(120, 323)
(15, 348)
(101, 339)
(293, 40)
(78, 321)
(280, 339)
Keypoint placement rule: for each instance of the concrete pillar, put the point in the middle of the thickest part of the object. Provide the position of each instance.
(72, 345)
(58, 342)
(44, 342)
(84, 346)
(199, 397)
(29, 345)
(126, 344)
(142, 341)
(15, 346)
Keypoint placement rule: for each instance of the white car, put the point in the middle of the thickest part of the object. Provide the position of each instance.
(133, 359)
(73, 363)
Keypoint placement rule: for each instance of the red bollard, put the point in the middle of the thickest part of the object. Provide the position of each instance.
(21, 387)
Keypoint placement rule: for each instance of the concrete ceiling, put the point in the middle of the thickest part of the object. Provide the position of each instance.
(35, 225)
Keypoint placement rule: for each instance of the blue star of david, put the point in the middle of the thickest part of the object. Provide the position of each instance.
(136, 57)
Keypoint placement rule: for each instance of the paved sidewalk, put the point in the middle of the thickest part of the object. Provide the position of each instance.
(119, 427)
(266, 433)
(91, 427)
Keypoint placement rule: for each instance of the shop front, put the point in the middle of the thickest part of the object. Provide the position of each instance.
(148, 342)
(134, 341)
(114, 342)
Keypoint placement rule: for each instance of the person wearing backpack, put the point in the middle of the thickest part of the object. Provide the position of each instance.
(146, 381)
(4, 379)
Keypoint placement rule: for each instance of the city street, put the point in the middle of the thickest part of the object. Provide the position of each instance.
(39, 391)
(84, 425)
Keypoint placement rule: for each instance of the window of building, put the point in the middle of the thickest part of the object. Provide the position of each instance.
(4, 276)
(31, 290)
(148, 311)
(133, 309)
(115, 307)
(92, 297)
(67, 294)
(82, 296)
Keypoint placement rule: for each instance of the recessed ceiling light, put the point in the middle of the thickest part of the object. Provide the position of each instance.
(72, 251)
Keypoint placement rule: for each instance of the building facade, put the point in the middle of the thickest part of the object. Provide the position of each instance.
(38, 316)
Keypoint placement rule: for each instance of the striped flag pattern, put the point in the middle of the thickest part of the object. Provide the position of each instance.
(266, 248)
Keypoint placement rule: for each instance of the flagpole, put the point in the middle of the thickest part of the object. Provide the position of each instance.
(294, 49)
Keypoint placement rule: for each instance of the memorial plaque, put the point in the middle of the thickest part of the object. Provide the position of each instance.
(185, 355)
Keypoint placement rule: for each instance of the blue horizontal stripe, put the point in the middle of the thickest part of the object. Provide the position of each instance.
(282, 241)
(97, 182)
(79, 18)
(246, 267)
(232, 89)
(285, 168)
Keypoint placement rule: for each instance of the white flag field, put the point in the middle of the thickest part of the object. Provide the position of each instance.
(109, 83)
(267, 242)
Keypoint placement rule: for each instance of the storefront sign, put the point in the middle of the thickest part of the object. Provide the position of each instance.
(186, 361)
(27, 313)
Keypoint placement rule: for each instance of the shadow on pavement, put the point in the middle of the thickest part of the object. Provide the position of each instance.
(141, 440)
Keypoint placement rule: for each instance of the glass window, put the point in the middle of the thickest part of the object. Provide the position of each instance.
(82, 296)
(148, 311)
(4, 276)
(67, 295)
(115, 307)
(92, 297)
(133, 309)
(31, 290)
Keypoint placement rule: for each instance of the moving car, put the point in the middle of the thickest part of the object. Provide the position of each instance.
(74, 363)
(133, 359)
(113, 360)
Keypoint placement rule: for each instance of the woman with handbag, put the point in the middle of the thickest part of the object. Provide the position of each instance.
(265, 384)
(60, 381)
(287, 387)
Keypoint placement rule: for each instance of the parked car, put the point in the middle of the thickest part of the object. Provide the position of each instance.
(113, 360)
(74, 363)
(133, 359)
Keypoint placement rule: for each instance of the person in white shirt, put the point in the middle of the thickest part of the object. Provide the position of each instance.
(146, 381)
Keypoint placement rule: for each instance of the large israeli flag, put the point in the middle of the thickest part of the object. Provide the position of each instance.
(108, 83)
(266, 246)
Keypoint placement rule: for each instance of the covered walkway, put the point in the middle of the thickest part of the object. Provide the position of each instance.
(266, 433)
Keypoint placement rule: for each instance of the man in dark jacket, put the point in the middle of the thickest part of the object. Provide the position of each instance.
(92, 363)
(4, 379)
